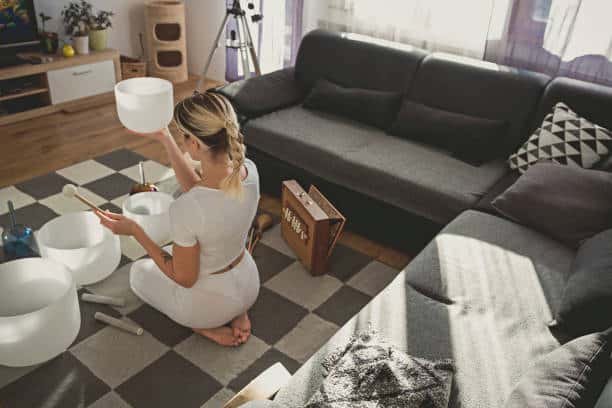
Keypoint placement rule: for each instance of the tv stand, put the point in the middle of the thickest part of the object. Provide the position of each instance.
(10, 61)
(64, 84)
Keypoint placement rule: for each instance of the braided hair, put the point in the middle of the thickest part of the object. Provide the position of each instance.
(211, 118)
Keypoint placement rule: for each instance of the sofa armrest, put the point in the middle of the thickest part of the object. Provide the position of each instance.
(263, 94)
(263, 387)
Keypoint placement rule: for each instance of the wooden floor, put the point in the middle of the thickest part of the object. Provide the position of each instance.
(47, 143)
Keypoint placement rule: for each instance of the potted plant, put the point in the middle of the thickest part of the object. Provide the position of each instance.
(98, 25)
(49, 41)
(76, 19)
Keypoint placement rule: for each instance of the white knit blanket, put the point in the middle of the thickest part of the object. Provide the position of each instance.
(367, 373)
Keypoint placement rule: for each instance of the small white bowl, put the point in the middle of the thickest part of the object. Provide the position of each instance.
(145, 105)
(39, 311)
(80, 242)
(151, 210)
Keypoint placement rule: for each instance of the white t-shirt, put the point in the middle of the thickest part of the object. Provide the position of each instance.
(217, 221)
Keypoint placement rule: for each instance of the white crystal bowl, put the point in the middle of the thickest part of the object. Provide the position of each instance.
(80, 242)
(144, 105)
(151, 210)
(39, 311)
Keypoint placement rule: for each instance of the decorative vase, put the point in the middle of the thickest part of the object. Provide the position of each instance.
(81, 44)
(49, 42)
(98, 40)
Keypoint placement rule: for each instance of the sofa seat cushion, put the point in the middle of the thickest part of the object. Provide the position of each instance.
(502, 279)
(412, 176)
(480, 257)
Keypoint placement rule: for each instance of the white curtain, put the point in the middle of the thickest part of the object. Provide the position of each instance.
(272, 45)
(579, 27)
(458, 26)
(268, 37)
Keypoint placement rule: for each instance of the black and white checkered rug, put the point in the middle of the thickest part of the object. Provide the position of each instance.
(170, 366)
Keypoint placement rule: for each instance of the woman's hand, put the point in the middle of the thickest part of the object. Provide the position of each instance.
(117, 223)
(160, 135)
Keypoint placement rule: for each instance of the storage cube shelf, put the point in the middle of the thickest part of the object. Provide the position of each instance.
(165, 39)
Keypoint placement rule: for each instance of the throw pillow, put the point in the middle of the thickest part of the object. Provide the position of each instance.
(605, 164)
(469, 138)
(368, 372)
(376, 108)
(568, 203)
(587, 298)
(571, 376)
(564, 138)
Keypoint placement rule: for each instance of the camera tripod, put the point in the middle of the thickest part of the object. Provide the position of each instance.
(240, 40)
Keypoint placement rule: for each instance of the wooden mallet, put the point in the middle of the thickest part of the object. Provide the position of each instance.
(70, 190)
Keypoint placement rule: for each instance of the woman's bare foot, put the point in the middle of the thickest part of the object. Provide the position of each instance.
(241, 326)
(221, 335)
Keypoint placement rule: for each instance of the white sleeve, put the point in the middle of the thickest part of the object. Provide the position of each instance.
(181, 222)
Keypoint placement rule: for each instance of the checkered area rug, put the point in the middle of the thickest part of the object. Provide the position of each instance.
(170, 366)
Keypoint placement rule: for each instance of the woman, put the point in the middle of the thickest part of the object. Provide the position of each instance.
(208, 281)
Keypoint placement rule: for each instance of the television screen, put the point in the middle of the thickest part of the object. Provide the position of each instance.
(17, 22)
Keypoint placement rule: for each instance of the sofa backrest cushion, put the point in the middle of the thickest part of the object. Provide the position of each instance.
(481, 89)
(592, 101)
(356, 61)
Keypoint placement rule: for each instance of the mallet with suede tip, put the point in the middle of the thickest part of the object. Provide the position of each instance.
(70, 190)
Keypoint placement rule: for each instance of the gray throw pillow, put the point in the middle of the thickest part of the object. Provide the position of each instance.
(469, 138)
(586, 304)
(569, 204)
(375, 108)
(605, 164)
(564, 138)
(572, 376)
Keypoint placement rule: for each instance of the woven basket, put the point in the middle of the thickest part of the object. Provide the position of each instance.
(132, 67)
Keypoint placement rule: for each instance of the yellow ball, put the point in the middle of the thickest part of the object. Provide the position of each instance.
(68, 51)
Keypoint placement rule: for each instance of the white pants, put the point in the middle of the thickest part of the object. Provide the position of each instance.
(213, 301)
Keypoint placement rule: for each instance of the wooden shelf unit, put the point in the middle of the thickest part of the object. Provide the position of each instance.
(39, 99)
(24, 93)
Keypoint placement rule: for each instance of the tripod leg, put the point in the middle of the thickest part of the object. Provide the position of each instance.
(246, 68)
(252, 47)
(212, 52)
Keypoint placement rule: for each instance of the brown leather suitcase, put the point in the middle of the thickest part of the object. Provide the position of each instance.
(310, 224)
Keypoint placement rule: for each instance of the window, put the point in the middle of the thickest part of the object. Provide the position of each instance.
(541, 10)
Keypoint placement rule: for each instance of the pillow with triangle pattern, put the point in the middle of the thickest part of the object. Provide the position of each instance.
(564, 138)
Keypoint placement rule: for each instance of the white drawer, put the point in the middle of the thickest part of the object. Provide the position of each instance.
(78, 82)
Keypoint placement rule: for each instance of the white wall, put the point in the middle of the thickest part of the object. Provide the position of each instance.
(204, 17)
(128, 21)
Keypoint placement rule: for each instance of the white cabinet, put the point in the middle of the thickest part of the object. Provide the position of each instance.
(72, 83)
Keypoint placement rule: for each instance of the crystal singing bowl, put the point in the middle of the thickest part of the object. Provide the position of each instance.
(39, 311)
(80, 242)
(151, 210)
(144, 105)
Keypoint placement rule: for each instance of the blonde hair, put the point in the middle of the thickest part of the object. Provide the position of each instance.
(211, 118)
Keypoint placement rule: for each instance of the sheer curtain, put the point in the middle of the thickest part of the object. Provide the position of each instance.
(558, 37)
(459, 27)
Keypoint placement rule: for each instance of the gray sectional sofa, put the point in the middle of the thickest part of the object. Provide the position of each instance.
(484, 289)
